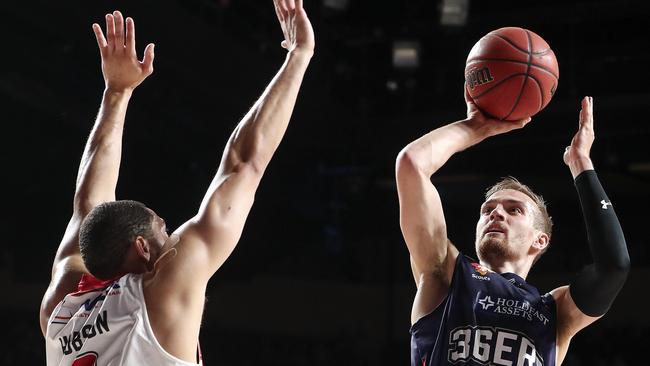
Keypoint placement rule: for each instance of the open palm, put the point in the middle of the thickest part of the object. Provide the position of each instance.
(120, 65)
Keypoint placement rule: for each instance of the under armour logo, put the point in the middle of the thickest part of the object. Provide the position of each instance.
(605, 204)
(486, 302)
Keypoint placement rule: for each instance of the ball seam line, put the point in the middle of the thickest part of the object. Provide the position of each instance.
(543, 68)
(517, 47)
(523, 85)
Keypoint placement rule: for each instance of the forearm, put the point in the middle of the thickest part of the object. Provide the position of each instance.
(596, 286)
(431, 151)
(259, 133)
(100, 163)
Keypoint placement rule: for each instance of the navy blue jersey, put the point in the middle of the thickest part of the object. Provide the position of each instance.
(487, 318)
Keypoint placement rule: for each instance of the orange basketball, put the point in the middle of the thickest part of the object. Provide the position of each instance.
(511, 73)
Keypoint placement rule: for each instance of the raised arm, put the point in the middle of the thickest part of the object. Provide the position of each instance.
(208, 239)
(100, 162)
(592, 291)
(421, 215)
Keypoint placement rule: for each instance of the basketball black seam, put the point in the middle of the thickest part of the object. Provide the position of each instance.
(543, 68)
(523, 85)
(510, 43)
(497, 84)
(541, 91)
(519, 48)
(514, 106)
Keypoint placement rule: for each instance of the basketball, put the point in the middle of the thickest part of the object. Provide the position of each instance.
(511, 73)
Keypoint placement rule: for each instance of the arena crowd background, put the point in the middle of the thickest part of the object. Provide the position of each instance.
(321, 275)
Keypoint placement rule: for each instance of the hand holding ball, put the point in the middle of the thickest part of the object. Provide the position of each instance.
(511, 73)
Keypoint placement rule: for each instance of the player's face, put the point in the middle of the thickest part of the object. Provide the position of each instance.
(505, 229)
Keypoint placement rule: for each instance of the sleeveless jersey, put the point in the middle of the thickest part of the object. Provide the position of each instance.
(487, 318)
(105, 323)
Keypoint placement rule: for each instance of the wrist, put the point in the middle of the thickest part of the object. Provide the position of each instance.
(579, 165)
(117, 92)
(477, 131)
(301, 54)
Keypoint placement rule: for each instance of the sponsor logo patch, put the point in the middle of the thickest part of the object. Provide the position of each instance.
(482, 270)
(516, 308)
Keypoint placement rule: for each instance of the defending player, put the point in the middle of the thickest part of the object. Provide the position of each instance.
(147, 307)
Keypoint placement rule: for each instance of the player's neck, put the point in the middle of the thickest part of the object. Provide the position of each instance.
(519, 267)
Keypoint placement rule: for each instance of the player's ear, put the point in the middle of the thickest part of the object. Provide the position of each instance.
(142, 248)
(541, 242)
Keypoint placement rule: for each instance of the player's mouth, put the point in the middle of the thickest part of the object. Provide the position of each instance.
(495, 229)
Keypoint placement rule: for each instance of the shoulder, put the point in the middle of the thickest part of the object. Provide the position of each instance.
(65, 280)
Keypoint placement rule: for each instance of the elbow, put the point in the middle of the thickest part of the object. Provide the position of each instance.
(415, 160)
(253, 159)
(246, 151)
(406, 162)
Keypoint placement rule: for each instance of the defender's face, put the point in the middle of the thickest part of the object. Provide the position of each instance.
(505, 229)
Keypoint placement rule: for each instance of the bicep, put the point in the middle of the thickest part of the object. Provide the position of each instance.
(217, 227)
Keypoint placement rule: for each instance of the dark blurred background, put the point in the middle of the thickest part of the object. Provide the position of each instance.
(321, 275)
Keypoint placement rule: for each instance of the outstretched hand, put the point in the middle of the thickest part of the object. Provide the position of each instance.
(490, 126)
(120, 65)
(296, 27)
(576, 155)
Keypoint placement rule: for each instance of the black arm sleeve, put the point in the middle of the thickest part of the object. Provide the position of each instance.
(595, 287)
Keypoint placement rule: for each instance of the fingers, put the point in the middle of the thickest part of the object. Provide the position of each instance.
(99, 35)
(110, 30)
(282, 4)
(119, 29)
(147, 61)
(299, 4)
(116, 35)
(286, 7)
(278, 11)
(586, 118)
(130, 34)
(283, 16)
(520, 123)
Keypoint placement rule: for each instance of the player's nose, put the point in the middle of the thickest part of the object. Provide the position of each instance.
(497, 213)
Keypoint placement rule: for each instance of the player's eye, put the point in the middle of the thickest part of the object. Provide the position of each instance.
(516, 210)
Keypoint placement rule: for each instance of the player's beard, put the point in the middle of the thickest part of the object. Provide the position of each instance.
(492, 249)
